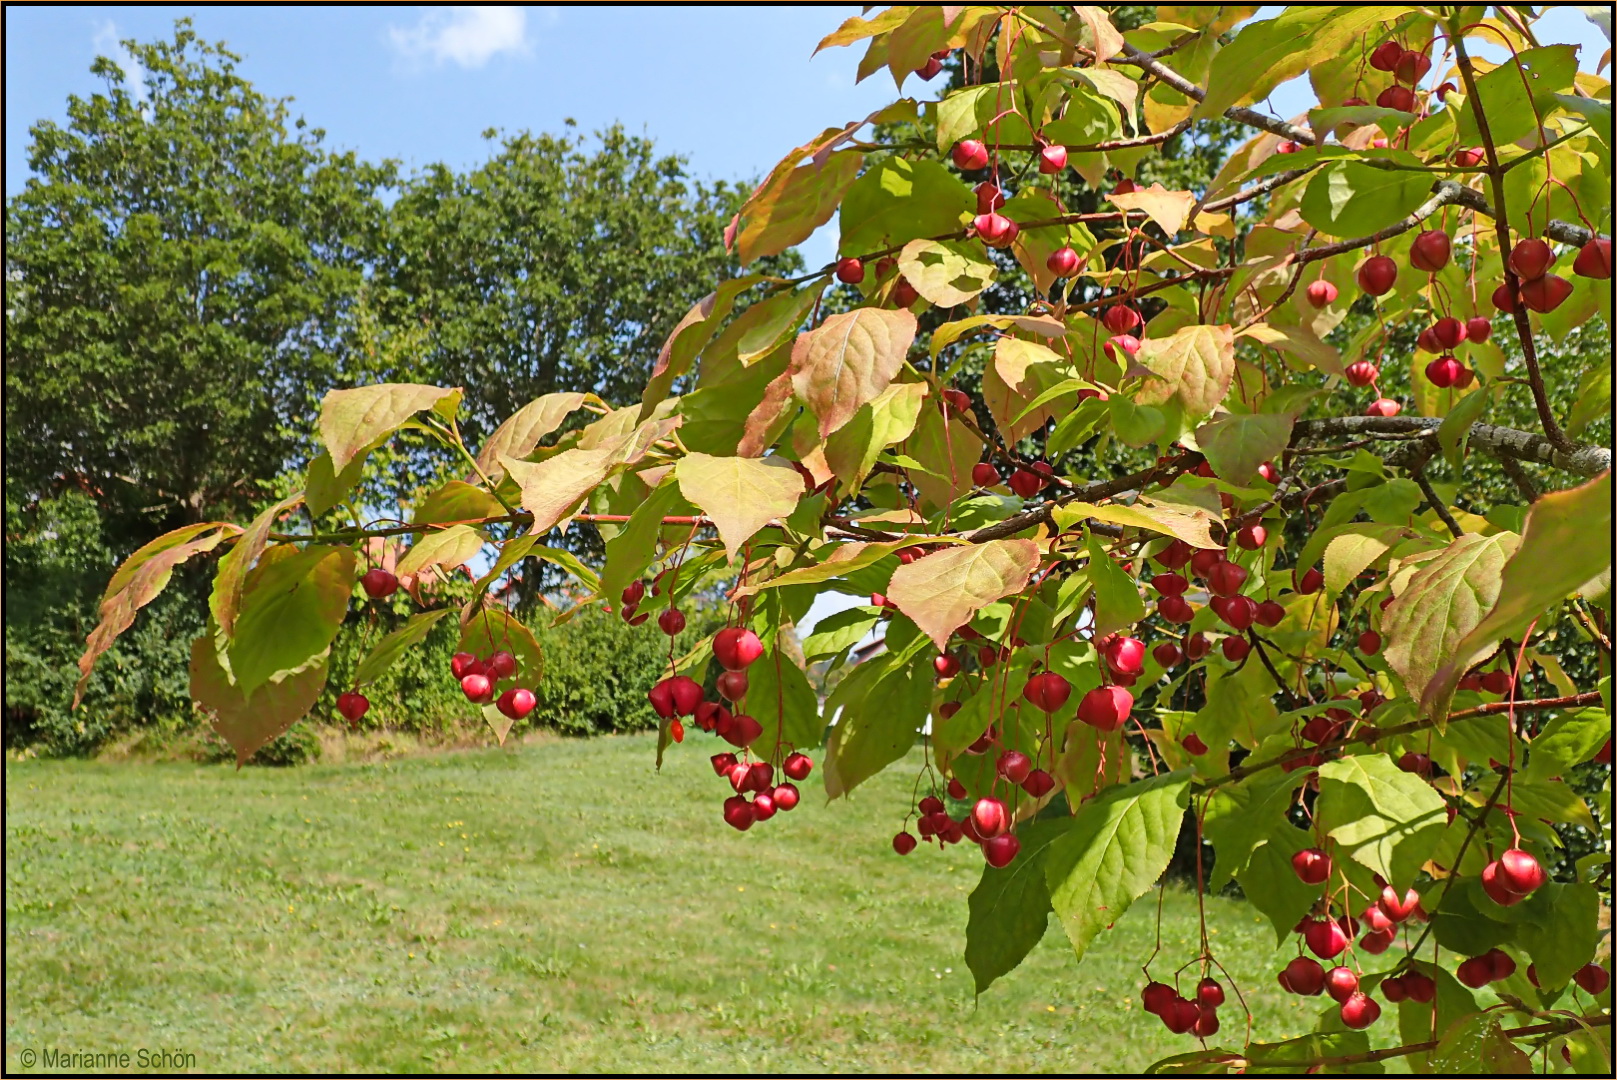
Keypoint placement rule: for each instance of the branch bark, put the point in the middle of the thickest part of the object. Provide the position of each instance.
(1504, 442)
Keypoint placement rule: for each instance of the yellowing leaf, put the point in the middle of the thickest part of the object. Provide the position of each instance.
(1021, 371)
(942, 591)
(1194, 364)
(350, 420)
(950, 332)
(523, 429)
(740, 495)
(457, 501)
(450, 548)
(945, 272)
(249, 720)
(852, 449)
(848, 360)
(225, 599)
(1169, 209)
(1192, 525)
(1440, 604)
(291, 610)
(789, 206)
(1565, 548)
(1299, 342)
(947, 452)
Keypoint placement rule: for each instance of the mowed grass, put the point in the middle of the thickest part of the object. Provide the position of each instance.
(558, 906)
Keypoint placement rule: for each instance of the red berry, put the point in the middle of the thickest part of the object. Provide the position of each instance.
(1531, 259)
(1392, 988)
(1500, 965)
(797, 766)
(1047, 691)
(1175, 609)
(661, 697)
(1378, 275)
(1014, 766)
(946, 666)
(850, 271)
(1369, 643)
(744, 731)
(1126, 656)
(1341, 982)
(1197, 646)
(1385, 56)
(785, 797)
(904, 843)
(516, 702)
(1127, 344)
(736, 648)
(1039, 783)
(1397, 909)
(1167, 655)
(1062, 262)
(1326, 938)
(1312, 866)
(969, 155)
(502, 664)
(1592, 979)
(1270, 613)
(1305, 976)
(738, 813)
(1170, 584)
(671, 622)
(1497, 681)
(1430, 252)
(1546, 293)
(1321, 293)
(1026, 484)
(633, 593)
(1106, 707)
(1235, 649)
(1203, 561)
(378, 583)
(989, 817)
(1226, 579)
(994, 228)
(989, 197)
(1498, 890)
(1120, 319)
(1052, 159)
(1000, 850)
(1521, 871)
(1361, 373)
(1469, 158)
(1478, 328)
(1594, 259)
(763, 806)
(1157, 997)
(984, 475)
(732, 685)
(928, 70)
(1209, 994)
(1193, 745)
(1503, 300)
(1401, 98)
(1449, 332)
(904, 294)
(722, 763)
(477, 688)
(353, 705)
(1360, 1011)
(1412, 67)
(1383, 407)
(1443, 372)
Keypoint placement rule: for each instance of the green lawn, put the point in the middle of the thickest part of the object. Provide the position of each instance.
(558, 906)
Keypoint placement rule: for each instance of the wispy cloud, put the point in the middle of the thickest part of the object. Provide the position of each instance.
(107, 44)
(468, 36)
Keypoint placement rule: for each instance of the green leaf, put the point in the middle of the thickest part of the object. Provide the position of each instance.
(838, 631)
(635, 546)
(1513, 102)
(1267, 53)
(1441, 603)
(1387, 820)
(950, 332)
(688, 338)
(1136, 425)
(1117, 596)
(351, 420)
(1454, 433)
(449, 548)
(1566, 938)
(1297, 1055)
(739, 495)
(791, 204)
(948, 451)
(946, 273)
(1593, 399)
(1567, 740)
(1477, 1046)
(1565, 548)
(324, 488)
(249, 720)
(1010, 907)
(1237, 443)
(900, 200)
(523, 430)
(848, 360)
(853, 449)
(1271, 884)
(1117, 847)
(1352, 199)
(943, 590)
(1355, 548)
(290, 612)
(1241, 817)
(882, 709)
(137, 582)
(1194, 365)
(1459, 925)
(840, 560)
(780, 698)
(457, 501)
(225, 600)
(385, 652)
(766, 325)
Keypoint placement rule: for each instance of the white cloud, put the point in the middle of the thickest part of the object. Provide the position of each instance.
(107, 44)
(468, 36)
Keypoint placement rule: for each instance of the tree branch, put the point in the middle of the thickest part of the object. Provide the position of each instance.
(1505, 442)
(1240, 114)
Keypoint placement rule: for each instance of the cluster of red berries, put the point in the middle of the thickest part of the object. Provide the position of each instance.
(757, 778)
(851, 271)
(1025, 482)
(1196, 1015)
(988, 823)
(480, 678)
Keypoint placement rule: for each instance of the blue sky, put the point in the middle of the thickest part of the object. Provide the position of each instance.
(730, 88)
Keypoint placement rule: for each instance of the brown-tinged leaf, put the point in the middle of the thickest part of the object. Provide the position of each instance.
(1299, 342)
(766, 421)
(1107, 40)
(848, 360)
(351, 420)
(950, 332)
(1021, 371)
(943, 590)
(1565, 549)
(789, 207)
(740, 495)
(946, 273)
(1440, 604)
(852, 450)
(249, 720)
(1194, 364)
(137, 583)
(843, 559)
(1169, 209)
(948, 452)
(524, 428)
